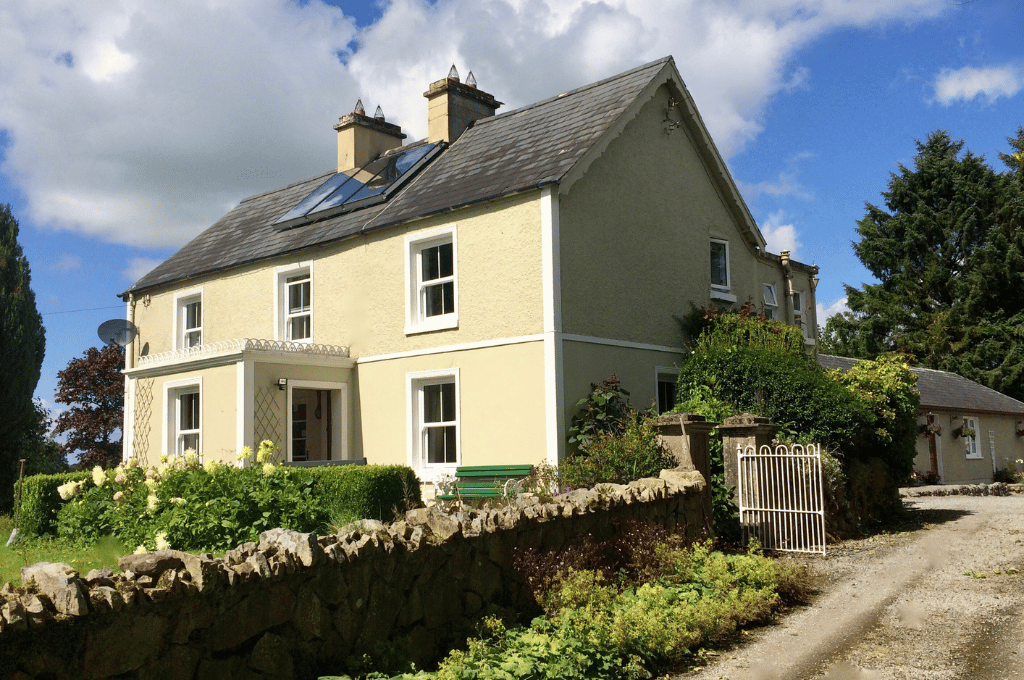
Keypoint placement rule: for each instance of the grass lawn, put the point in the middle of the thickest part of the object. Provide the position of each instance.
(105, 553)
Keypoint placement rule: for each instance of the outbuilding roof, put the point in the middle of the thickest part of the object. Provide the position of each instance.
(946, 391)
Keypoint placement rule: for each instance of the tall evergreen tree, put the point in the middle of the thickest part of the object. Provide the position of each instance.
(22, 344)
(948, 252)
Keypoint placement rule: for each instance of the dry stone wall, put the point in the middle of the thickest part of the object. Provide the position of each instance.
(300, 606)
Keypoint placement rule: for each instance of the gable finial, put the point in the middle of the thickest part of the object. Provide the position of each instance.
(453, 74)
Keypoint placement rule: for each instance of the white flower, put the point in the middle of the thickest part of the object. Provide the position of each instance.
(267, 452)
(191, 458)
(132, 463)
(152, 503)
(67, 491)
(150, 473)
(98, 477)
(140, 550)
(120, 476)
(178, 501)
(268, 469)
(163, 458)
(161, 541)
(119, 496)
(152, 484)
(210, 466)
(244, 454)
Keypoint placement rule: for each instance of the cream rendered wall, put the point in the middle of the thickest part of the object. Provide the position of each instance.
(586, 363)
(635, 236)
(501, 402)
(359, 287)
(218, 413)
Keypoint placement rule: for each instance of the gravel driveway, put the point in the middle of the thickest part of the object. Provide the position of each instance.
(941, 602)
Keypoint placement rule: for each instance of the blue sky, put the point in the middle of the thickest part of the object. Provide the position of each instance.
(126, 128)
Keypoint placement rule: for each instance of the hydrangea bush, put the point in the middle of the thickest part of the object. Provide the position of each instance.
(186, 505)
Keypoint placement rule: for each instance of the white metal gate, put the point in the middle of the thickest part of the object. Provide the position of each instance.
(781, 498)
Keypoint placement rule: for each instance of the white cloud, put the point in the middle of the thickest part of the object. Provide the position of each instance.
(964, 84)
(66, 263)
(837, 307)
(139, 267)
(136, 121)
(779, 236)
(786, 185)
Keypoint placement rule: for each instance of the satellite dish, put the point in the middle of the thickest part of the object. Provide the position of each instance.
(117, 332)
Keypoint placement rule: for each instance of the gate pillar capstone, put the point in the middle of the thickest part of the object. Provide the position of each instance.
(685, 437)
(741, 431)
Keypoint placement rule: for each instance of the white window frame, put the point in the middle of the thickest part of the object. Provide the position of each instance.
(973, 451)
(173, 391)
(416, 320)
(799, 318)
(181, 302)
(719, 291)
(771, 301)
(415, 382)
(660, 375)
(281, 312)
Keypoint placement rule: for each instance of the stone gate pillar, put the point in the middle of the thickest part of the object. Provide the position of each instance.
(741, 431)
(685, 436)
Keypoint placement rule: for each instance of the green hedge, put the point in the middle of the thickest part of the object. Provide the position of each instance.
(219, 506)
(40, 502)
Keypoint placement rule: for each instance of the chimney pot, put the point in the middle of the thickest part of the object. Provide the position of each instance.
(378, 114)
(361, 138)
(359, 108)
(453, 105)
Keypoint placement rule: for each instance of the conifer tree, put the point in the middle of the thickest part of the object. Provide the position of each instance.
(948, 252)
(22, 343)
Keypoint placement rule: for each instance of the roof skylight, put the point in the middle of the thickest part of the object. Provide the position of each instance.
(372, 183)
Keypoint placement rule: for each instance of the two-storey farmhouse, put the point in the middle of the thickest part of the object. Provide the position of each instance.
(447, 302)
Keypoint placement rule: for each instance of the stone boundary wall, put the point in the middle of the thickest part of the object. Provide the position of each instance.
(300, 606)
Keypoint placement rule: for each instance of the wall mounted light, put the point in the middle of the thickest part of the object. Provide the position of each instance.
(282, 383)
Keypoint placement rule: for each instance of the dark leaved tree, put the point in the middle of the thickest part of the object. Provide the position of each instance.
(93, 386)
(948, 254)
(22, 344)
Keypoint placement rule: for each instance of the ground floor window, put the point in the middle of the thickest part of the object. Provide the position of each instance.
(184, 420)
(666, 379)
(434, 418)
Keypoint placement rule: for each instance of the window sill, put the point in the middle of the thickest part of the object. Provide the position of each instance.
(441, 324)
(721, 295)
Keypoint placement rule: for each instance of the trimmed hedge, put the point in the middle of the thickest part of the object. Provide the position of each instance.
(40, 502)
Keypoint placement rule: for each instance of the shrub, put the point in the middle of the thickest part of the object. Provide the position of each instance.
(189, 507)
(629, 452)
(888, 387)
(603, 411)
(40, 502)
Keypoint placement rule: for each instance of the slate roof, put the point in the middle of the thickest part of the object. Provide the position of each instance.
(497, 156)
(945, 390)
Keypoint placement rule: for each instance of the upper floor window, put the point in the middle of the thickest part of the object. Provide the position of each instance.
(771, 302)
(720, 264)
(188, 324)
(295, 303)
(432, 277)
(798, 311)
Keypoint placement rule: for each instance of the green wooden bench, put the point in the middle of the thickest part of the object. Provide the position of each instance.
(485, 481)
